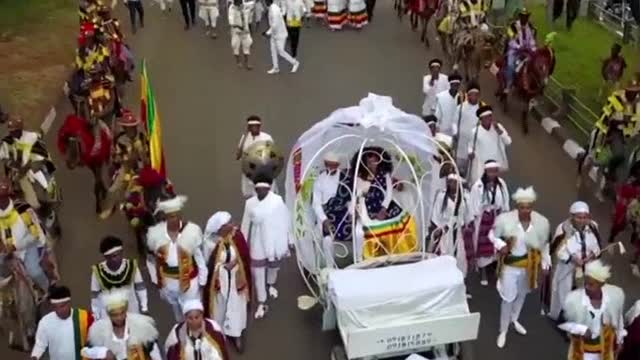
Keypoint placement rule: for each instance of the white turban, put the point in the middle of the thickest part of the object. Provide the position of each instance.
(579, 207)
(444, 139)
(332, 157)
(216, 221)
(116, 299)
(525, 196)
(597, 270)
(191, 305)
(455, 177)
(172, 205)
(492, 164)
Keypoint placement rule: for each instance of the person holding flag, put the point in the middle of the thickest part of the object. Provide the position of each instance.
(63, 332)
(151, 119)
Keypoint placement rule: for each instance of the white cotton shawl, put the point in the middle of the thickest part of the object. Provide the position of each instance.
(270, 218)
(506, 226)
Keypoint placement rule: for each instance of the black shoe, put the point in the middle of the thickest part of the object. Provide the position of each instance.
(186, 27)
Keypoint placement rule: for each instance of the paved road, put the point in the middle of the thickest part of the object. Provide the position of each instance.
(204, 100)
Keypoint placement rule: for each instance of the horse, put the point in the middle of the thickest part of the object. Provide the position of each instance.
(20, 305)
(530, 79)
(445, 27)
(76, 143)
(473, 48)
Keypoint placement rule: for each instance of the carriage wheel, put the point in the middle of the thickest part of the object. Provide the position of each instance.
(338, 353)
(466, 351)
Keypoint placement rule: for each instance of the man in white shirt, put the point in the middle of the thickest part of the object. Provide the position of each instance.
(116, 272)
(467, 121)
(447, 106)
(253, 135)
(122, 335)
(594, 314)
(239, 20)
(180, 267)
(489, 142)
(266, 224)
(58, 331)
(432, 84)
(577, 242)
(277, 34)
(521, 238)
(324, 188)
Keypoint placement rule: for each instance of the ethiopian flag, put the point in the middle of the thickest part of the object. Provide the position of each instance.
(151, 118)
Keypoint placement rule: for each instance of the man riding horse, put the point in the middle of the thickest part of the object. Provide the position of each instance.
(28, 164)
(522, 43)
(617, 124)
(145, 189)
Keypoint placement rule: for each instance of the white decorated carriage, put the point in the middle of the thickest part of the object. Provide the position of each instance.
(366, 263)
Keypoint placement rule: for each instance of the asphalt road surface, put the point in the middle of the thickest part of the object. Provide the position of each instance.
(204, 99)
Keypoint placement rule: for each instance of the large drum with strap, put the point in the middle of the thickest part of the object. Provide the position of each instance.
(262, 158)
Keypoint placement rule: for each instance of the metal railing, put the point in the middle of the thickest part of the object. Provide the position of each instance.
(566, 106)
(616, 18)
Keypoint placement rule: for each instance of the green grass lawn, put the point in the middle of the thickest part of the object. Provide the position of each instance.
(37, 42)
(579, 55)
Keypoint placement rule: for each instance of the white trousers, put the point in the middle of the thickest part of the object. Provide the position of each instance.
(172, 294)
(241, 42)
(277, 48)
(510, 311)
(262, 277)
(209, 14)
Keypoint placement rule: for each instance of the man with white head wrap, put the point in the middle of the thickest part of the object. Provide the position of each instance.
(449, 221)
(489, 141)
(267, 225)
(489, 197)
(116, 272)
(577, 242)
(442, 166)
(122, 335)
(594, 316)
(196, 338)
(180, 268)
(521, 237)
(253, 135)
(324, 188)
(228, 290)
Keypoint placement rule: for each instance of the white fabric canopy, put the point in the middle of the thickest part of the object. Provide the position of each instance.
(398, 294)
(373, 122)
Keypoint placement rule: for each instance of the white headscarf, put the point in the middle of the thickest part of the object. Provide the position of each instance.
(215, 222)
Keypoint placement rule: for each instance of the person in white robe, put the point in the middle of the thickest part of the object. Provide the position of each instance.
(116, 272)
(594, 316)
(521, 237)
(447, 110)
(239, 20)
(266, 224)
(489, 197)
(466, 124)
(253, 135)
(442, 166)
(122, 335)
(56, 330)
(489, 142)
(433, 84)
(336, 14)
(196, 338)
(577, 243)
(227, 294)
(278, 34)
(208, 11)
(358, 16)
(449, 220)
(179, 269)
(325, 187)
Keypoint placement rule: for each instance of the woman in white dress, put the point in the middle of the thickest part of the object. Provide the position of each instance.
(227, 293)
